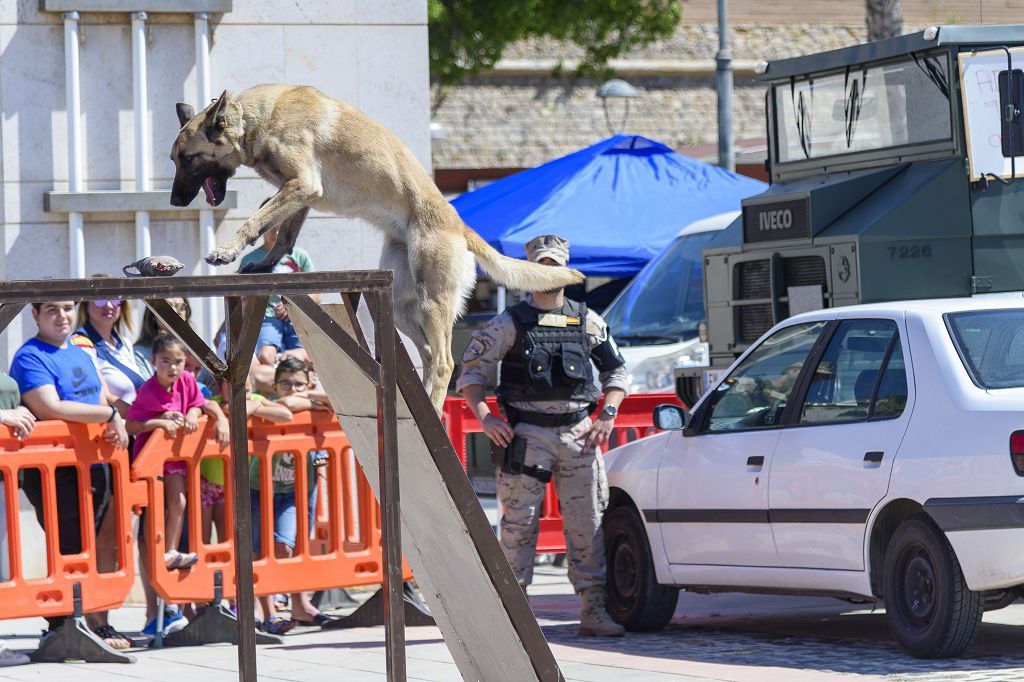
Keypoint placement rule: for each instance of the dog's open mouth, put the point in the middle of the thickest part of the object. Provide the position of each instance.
(215, 189)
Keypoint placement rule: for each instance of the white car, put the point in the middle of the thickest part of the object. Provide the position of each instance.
(873, 452)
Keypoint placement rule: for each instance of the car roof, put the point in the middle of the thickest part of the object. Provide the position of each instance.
(710, 224)
(922, 307)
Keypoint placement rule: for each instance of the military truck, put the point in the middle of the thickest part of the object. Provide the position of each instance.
(894, 175)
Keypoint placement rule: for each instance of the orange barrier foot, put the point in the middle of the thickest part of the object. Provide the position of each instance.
(216, 624)
(74, 641)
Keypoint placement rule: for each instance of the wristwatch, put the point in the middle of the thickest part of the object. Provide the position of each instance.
(113, 413)
(610, 410)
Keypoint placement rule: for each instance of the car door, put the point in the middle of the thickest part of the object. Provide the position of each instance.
(832, 465)
(713, 489)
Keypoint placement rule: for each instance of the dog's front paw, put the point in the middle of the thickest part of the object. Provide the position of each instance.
(221, 256)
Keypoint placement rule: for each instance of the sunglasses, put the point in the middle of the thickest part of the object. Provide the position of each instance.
(112, 302)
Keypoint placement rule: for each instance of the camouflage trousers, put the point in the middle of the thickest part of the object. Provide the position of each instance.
(582, 489)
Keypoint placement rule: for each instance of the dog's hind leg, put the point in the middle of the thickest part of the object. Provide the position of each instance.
(287, 235)
(293, 196)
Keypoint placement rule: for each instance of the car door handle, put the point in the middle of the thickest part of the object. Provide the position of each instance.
(755, 461)
(874, 457)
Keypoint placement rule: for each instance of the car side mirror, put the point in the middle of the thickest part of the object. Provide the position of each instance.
(670, 418)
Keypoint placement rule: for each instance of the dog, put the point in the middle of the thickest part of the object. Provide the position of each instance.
(324, 154)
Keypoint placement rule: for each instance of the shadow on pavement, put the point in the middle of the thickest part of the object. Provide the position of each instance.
(858, 643)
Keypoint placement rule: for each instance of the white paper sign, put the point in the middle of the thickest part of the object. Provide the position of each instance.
(979, 91)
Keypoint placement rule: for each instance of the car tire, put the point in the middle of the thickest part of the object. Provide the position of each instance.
(928, 605)
(635, 599)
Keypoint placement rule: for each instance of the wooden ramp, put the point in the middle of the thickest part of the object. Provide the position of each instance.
(484, 616)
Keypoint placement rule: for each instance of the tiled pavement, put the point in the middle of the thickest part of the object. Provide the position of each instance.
(740, 638)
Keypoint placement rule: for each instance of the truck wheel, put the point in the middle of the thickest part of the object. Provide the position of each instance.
(635, 599)
(929, 607)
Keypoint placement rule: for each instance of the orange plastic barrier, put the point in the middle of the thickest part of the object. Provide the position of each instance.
(51, 445)
(345, 551)
(634, 421)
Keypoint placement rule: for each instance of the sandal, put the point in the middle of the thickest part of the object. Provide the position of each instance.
(113, 638)
(318, 620)
(276, 625)
(181, 561)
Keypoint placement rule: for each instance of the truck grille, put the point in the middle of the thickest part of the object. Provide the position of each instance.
(752, 321)
(752, 280)
(804, 270)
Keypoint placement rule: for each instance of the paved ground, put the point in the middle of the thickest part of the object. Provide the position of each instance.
(740, 638)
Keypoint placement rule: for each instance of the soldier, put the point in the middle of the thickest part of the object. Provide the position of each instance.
(547, 392)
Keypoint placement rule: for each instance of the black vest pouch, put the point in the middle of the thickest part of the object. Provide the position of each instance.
(575, 362)
(539, 368)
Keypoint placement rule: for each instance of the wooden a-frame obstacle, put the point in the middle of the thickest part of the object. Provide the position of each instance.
(385, 412)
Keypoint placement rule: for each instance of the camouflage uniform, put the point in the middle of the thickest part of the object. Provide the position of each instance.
(578, 473)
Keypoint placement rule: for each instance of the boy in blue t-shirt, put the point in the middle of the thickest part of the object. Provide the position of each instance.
(59, 381)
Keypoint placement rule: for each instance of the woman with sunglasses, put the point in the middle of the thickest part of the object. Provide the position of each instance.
(102, 327)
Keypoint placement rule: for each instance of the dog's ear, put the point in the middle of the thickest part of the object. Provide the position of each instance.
(216, 118)
(185, 113)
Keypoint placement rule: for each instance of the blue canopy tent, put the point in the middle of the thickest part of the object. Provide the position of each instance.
(619, 203)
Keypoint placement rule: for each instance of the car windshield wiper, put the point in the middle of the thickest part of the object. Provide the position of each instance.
(645, 339)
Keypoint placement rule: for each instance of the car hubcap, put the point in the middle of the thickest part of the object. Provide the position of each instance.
(625, 570)
(919, 586)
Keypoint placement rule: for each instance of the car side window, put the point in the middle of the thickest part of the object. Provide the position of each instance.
(843, 384)
(755, 394)
(892, 389)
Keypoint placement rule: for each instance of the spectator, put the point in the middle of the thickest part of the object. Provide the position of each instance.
(153, 327)
(58, 380)
(101, 333)
(20, 422)
(292, 382)
(169, 400)
(278, 338)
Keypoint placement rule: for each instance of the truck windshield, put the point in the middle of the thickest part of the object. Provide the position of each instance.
(991, 345)
(865, 108)
(665, 302)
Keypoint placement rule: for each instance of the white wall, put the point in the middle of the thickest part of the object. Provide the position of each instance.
(370, 53)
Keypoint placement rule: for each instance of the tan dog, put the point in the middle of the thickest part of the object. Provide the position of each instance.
(324, 154)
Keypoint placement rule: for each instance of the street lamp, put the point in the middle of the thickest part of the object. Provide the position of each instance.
(619, 88)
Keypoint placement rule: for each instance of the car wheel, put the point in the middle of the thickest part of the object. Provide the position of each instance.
(635, 599)
(930, 609)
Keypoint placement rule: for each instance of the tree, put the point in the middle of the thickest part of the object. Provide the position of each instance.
(884, 19)
(467, 36)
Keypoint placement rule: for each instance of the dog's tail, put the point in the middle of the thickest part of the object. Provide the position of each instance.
(519, 275)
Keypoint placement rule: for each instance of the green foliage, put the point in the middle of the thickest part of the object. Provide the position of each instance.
(467, 36)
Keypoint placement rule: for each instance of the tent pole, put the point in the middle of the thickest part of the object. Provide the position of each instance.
(501, 298)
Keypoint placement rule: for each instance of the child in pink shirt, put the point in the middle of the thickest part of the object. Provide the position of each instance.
(169, 400)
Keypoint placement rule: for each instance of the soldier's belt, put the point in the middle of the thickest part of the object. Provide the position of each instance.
(542, 419)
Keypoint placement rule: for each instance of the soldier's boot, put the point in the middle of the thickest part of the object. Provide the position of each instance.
(594, 618)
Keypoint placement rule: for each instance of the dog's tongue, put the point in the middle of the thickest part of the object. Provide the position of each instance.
(208, 187)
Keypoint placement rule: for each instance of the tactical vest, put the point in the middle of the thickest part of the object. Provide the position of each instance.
(548, 361)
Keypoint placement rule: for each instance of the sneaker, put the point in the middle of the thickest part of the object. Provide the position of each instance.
(10, 657)
(173, 622)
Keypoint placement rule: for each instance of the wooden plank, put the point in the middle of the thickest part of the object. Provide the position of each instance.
(248, 318)
(437, 517)
(8, 312)
(237, 346)
(183, 331)
(26, 291)
(370, 366)
(390, 505)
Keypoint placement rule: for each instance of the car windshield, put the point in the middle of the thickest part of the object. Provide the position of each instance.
(991, 345)
(863, 108)
(665, 301)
